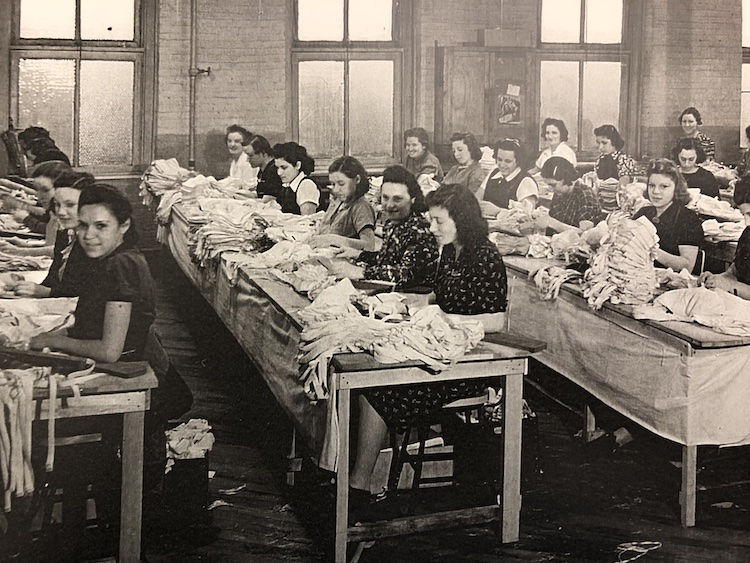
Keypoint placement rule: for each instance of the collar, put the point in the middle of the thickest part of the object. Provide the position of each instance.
(509, 177)
(294, 185)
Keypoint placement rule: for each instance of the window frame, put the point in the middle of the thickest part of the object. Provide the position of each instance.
(744, 143)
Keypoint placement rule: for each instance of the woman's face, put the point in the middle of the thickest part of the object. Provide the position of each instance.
(688, 160)
(253, 158)
(98, 230)
(552, 136)
(461, 153)
(343, 188)
(506, 161)
(558, 186)
(689, 124)
(414, 148)
(442, 226)
(396, 202)
(604, 144)
(745, 210)
(661, 190)
(286, 171)
(45, 190)
(234, 144)
(66, 207)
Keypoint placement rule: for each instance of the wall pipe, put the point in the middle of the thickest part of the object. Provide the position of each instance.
(193, 72)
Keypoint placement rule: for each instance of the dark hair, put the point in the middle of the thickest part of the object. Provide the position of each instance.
(260, 145)
(397, 174)
(471, 143)
(559, 123)
(420, 134)
(463, 207)
(688, 144)
(246, 135)
(52, 169)
(611, 132)
(512, 145)
(117, 204)
(742, 192)
(75, 180)
(558, 168)
(31, 134)
(692, 111)
(352, 169)
(294, 153)
(747, 132)
(667, 168)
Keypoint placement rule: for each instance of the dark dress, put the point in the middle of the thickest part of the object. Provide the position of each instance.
(704, 180)
(269, 182)
(121, 276)
(742, 258)
(70, 267)
(473, 283)
(677, 226)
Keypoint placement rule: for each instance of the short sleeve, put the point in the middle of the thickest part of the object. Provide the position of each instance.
(123, 280)
(568, 154)
(475, 179)
(542, 158)
(690, 232)
(527, 188)
(362, 215)
(308, 192)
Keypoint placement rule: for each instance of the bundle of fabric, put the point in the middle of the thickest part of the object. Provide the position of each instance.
(713, 207)
(622, 268)
(510, 244)
(160, 177)
(222, 235)
(631, 198)
(724, 175)
(539, 246)
(607, 193)
(724, 231)
(549, 281)
(308, 278)
(11, 263)
(22, 319)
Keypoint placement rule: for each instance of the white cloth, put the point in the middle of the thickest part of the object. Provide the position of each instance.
(562, 150)
(244, 172)
(305, 189)
(525, 189)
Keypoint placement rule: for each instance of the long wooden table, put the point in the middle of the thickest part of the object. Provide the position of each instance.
(684, 382)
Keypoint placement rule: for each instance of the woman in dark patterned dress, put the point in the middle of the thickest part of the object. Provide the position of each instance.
(470, 281)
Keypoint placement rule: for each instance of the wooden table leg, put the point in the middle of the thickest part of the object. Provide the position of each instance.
(132, 487)
(294, 463)
(342, 477)
(511, 501)
(689, 485)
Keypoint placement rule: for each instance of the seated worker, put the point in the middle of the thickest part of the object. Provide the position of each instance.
(555, 133)
(419, 159)
(508, 181)
(688, 154)
(70, 265)
(468, 172)
(470, 282)
(38, 146)
(36, 217)
(737, 277)
(116, 305)
(690, 120)
(236, 138)
(408, 256)
(299, 194)
(350, 219)
(679, 229)
(258, 152)
(612, 162)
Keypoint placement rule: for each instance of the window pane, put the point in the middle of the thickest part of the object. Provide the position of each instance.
(603, 21)
(320, 20)
(321, 107)
(559, 96)
(601, 99)
(45, 98)
(113, 20)
(561, 21)
(370, 20)
(746, 23)
(48, 19)
(106, 119)
(371, 108)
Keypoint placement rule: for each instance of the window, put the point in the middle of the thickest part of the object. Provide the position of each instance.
(77, 67)
(582, 67)
(745, 93)
(347, 58)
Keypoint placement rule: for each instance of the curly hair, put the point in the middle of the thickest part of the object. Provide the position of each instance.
(611, 132)
(515, 147)
(113, 199)
(420, 134)
(559, 168)
(354, 170)
(688, 144)
(260, 145)
(397, 174)
(463, 207)
(246, 135)
(52, 169)
(471, 143)
(667, 168)
(559, 123)
(294, 153)
(692, 111)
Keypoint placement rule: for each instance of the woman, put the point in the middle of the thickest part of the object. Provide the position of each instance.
(116, 306)
(36, 217)
(258, 152)
(468, 171)
(39, 147)
(70, 265)
(690, 119)
(737, 278)
(572, 202)
(507, 181)
(743, 166)
(470, 281)
(409, 253)
(556, 135)
(419, 159)
(299, 194)
(350, 219)
(679, 229)
(240, 168)
(612, 162)
(688, 153)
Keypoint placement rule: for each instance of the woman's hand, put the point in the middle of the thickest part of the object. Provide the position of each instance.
(489, 209)
(26, 288)
(345, 269)
(715, 281)
(326, 241)
(19, 214)
(46, 340)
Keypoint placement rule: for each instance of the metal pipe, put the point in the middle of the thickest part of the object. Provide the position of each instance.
(193, 72)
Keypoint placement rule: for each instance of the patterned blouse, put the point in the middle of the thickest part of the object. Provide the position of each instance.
(475, 282)
(408, 256)
(706, 143)
(580, 204)
(626, 166)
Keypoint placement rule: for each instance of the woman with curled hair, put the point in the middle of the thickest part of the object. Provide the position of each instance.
(39, 147)
(419, 159)
(468, 171)
(236, 138)
(690, 120)
(555, 133)
(612, 162)
(350, 219)
(688, 154)
(679, 229)
(299, 194)
(508, 181)
(259, 153)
